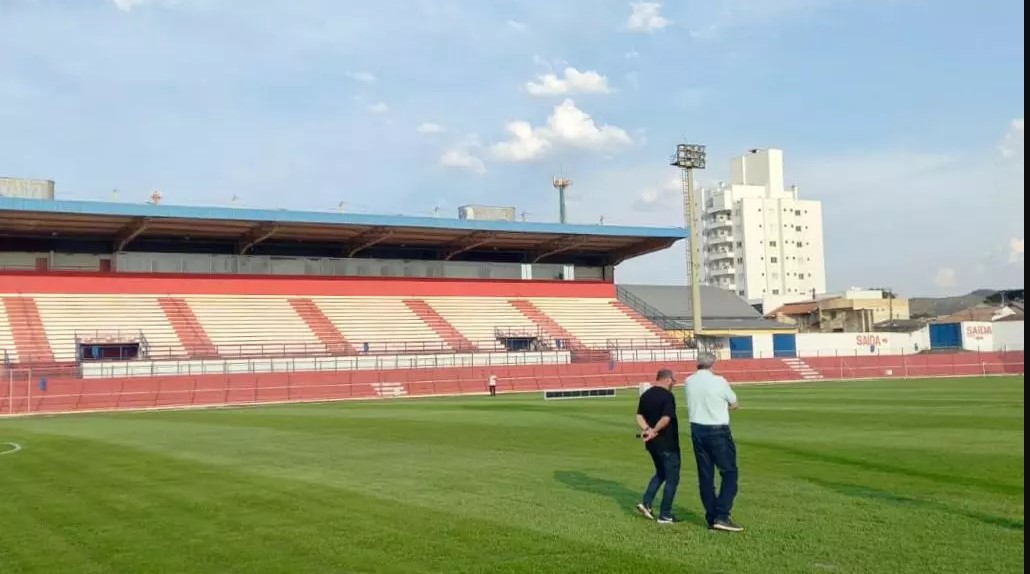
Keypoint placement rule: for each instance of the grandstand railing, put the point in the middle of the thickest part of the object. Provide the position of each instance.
(24, 393)
(649, 312)
(643, 344)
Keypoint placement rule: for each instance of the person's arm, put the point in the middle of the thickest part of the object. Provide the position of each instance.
(730, 396)
(668, 412)
(642, 423)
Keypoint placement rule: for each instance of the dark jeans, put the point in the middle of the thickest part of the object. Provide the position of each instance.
(666, 470)
(714, 448)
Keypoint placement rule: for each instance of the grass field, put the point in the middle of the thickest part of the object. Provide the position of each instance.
(898, 476)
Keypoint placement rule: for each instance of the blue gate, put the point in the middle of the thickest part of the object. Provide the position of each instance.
(948, 336)
(785, 345)
(742, 348)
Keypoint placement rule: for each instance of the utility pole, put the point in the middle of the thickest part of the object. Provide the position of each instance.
(561, 184)
(689, 157)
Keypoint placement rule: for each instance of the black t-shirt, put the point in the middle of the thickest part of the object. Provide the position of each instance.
(654, 404)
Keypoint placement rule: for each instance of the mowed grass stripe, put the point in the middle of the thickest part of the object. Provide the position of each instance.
(517, 484)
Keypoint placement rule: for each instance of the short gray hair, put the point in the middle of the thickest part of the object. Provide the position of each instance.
(705, 360)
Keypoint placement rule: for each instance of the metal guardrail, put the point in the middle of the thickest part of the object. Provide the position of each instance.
(648, 311)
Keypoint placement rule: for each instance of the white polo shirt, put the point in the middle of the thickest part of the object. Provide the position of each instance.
(708, 398)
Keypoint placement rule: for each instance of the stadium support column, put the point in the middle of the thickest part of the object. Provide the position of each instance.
(689, 157)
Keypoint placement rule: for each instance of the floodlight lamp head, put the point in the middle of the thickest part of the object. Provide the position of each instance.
(689, 156)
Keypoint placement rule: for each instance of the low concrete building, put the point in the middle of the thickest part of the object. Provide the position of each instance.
(853, 311)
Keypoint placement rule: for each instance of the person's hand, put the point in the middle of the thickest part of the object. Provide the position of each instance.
(648, 434)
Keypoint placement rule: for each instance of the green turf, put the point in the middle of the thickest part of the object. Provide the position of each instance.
(880, 477)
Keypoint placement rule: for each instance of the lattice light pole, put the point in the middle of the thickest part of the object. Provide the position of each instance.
(689, 157)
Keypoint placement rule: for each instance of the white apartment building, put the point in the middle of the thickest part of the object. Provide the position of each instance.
(759, 239)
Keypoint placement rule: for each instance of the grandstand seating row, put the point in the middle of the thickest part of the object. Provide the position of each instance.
(47, 327)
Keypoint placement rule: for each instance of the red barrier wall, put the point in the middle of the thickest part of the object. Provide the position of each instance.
(162, 284)
(70, 394)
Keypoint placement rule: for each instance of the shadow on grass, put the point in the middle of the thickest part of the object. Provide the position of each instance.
(625, 497)
(596, 419)
(999, 487)
(894, 499)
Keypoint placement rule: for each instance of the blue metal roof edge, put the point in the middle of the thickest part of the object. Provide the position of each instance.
(101, 208)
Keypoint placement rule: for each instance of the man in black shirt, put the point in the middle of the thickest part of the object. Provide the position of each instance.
(656, 417)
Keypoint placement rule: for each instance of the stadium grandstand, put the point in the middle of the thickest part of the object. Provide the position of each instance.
(114, 305)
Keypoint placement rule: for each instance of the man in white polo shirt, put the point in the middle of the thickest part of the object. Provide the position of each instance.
(709, 401)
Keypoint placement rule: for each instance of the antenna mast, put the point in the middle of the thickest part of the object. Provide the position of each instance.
(561, 183)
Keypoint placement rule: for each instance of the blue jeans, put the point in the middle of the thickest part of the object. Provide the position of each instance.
(666, 470)
(714, 448)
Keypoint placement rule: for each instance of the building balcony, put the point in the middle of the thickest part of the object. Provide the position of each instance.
(722, 270)
(723, 250)
(714, 241)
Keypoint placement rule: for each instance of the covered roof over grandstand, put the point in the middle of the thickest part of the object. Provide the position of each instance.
(721, 310)
(129, 226)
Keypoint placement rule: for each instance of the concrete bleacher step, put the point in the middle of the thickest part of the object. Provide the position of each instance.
(802, 368)
(657, 331)
(191, 333)
(546, 323)
(30, 340)
(322, 327)
(441, 326)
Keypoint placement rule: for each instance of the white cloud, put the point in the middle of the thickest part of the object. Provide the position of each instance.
(632, 54)
(1011, 146)
(572, 82)
(517, 26)
(646, 17)
(568, 126)
(526, 143)
(379, 108)
(1016, 250)
(430, 128)
(128, 5)
(945, 278)
(462, 156)
(660, 197)
(363, 77)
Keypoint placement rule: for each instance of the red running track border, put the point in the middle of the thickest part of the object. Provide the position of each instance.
(22, 395)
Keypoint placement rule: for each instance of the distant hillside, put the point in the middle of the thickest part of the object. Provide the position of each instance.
(938, 306)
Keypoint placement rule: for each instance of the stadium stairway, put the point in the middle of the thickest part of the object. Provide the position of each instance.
(657, 331)
(27, 332)
(546, 323)
(322, 327)
(441, 326)
(187, 327)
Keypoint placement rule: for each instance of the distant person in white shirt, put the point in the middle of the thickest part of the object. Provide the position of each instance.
(709, 401)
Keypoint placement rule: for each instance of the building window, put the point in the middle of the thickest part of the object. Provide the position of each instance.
(776, 291)
(797, 212)
(772, 244)
(741, 293)
(739, 244)
(797, 228)
(740, 260)
(801, 275)
(799, 244)
(774, 259)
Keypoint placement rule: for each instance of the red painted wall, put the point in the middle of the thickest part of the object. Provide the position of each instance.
(142, 283)
(69, 394)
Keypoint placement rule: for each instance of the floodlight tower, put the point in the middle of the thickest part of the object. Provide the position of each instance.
(689, 157)
(561, 184)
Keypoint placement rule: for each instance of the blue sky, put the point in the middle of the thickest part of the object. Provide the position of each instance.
(905, 117)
